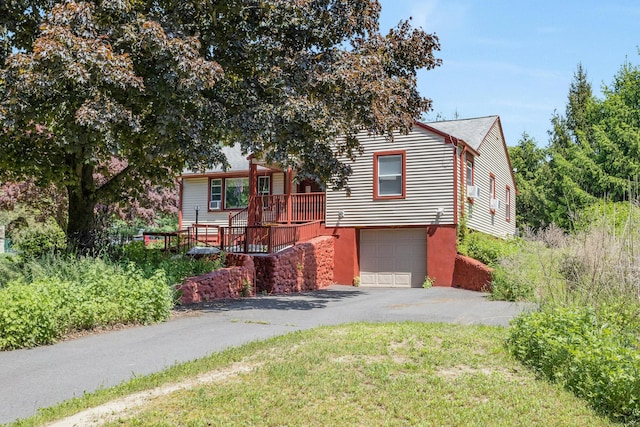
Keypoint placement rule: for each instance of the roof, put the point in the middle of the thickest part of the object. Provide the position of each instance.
(471, 131)
(238, 162)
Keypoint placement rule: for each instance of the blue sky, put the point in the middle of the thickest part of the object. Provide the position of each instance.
(516, 58)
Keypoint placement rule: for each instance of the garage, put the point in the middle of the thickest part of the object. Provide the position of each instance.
(393, 257)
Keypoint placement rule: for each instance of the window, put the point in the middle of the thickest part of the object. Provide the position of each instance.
(507, 202)
(389, 175)
(236, 193)
(492, 193)
(472, 191)
(469, 172)
(264, 185)
(215, 195)
(228, 193)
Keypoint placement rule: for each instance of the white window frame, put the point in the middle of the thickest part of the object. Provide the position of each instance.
(215, 197)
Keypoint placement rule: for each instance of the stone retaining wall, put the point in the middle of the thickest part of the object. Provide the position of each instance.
(305, 266)
(471, 274)
(234, 281)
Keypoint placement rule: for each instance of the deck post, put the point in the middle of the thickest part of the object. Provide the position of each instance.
(253, 210)
(288, 191)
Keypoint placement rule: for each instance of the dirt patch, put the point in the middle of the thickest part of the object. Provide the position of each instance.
(129, 405)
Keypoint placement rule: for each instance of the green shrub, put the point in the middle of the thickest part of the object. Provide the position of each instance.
(81, 294)
(486, 248)
(28, 316)
(176, 267)
(594, 354)
(39, 239)
(9, 269)
(507, 285)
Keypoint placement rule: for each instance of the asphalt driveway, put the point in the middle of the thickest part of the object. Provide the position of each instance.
(44, 376)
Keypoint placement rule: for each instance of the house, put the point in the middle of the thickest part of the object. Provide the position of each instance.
(398, 223)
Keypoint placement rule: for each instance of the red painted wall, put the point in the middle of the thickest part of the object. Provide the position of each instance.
(441, 253)
(471, 274)
(345, 263)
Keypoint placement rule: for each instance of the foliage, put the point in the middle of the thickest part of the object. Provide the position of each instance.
(80, 294)
(616, 216)
(486, 248)
(593, 153)
(43, 203)
(39, 239)
(156, 86)
(175, 268)
(511, 285)
(8, 269)
(531, 173)
(595, 355)
(428, 282)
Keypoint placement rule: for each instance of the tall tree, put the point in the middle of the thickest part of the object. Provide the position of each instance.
(594, 149)
(161, 84)
(531, 173)
(93, 88)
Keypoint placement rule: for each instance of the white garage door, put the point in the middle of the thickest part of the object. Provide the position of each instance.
(393, 257)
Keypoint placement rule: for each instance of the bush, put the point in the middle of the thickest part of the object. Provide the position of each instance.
(509, 285)
(486, 248)
(39, 239)
(594, 354)
(9, 269)
(176, 267)
(81, 294)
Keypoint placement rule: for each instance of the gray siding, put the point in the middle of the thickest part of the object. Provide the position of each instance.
(492, 159)
(277, 183)
(429, 180)
(195, 192)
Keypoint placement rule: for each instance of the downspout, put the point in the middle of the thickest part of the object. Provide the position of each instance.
(180, 191)
(454, 142)
(462, 177)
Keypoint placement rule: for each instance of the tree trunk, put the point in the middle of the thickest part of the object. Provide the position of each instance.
(81, 227)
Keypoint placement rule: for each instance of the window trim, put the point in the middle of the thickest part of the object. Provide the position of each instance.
(473, 177)
(268, 178)
(492, 191)
(507, 203)
(223, 201)
(403, 159)
(221, 195)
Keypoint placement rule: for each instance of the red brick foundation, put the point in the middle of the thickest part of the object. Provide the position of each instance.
(303, 267)
(471, 274)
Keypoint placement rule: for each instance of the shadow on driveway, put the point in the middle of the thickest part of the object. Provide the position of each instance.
(303, 301)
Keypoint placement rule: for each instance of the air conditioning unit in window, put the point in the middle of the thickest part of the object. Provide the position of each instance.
(473, 191)
(214, 205)
(495, 204)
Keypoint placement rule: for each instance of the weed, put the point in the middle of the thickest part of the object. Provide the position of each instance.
(428, 282)
(247, 289)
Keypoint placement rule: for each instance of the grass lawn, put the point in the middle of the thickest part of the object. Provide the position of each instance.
(356, 374)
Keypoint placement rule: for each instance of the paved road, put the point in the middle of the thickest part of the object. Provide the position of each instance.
(44, 376)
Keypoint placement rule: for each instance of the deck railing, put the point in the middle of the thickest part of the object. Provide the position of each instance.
(266, 239)
(292, 208)
(239, 219)
(207, 234)
(283, 209)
